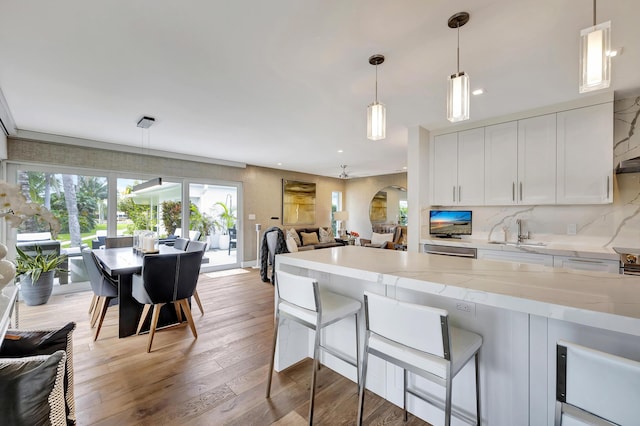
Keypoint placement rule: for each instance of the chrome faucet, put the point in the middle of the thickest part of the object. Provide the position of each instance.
(521, 236)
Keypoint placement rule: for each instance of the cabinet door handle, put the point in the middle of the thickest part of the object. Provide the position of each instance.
(454, 193)
(607, 187)
(520, 191)
(513, 191)
(586, 261)
(459, 193)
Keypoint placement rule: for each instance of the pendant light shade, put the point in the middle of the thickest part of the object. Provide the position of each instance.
(595, 61)
(376, 121)
(458, 97)
(458, 91)
(376, 112)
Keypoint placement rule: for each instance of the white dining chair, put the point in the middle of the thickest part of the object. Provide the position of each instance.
(595, 388)
(300, 299)
(420, 340)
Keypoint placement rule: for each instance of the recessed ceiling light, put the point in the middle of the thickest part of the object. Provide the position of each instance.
(340, 151)
(404, 168)
(477, 92)
(279, 164)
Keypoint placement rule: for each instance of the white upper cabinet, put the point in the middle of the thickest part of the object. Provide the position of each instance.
(501, 163)
(520, 162)
(445, 169)
(558, 158)
(537, 160)
(471, 167)
(585, 155)
(458, 168)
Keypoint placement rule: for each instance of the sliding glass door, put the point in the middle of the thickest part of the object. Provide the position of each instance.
(78, 201)
(91, 205)
(213, 213)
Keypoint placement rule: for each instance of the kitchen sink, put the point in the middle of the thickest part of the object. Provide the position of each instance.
(523, 244)
(527, 244)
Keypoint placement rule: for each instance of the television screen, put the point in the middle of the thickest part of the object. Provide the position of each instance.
(450, 222)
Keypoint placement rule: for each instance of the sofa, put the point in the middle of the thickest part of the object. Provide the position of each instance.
(307, 242)
(386, 236)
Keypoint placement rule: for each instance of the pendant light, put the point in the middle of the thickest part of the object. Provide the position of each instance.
(595, 59)
(458, 93)
(376, 113)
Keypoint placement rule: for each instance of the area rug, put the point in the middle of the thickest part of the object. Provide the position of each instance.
(226, 273)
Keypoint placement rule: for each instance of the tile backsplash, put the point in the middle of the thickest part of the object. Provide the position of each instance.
(608, 225)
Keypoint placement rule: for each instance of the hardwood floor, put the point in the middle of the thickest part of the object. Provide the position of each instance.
(217, 379)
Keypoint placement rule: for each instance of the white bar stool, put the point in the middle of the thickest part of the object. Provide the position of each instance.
(418, 339)
(299, 299)
(595, 388)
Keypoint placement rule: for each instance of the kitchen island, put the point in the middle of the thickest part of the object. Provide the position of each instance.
(521, 311)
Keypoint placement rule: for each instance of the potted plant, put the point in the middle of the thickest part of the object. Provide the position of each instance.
(36, 274)
(227, 220)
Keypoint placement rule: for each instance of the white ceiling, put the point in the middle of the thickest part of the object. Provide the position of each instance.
(288, 81)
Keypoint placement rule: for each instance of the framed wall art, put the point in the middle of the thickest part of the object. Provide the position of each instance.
(298, 202)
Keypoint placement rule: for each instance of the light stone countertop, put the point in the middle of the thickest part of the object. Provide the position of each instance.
(596, 299)
(579, 250)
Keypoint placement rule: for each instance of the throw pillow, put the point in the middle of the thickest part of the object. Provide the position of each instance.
(32, 390)
(309, 238)
(21, 343)
(293, 234)
(291, 245)
(378, 239)
(326, 236)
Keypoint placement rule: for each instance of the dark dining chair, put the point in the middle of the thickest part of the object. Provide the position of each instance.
(197, 246)
(181, 243)
(166, 278)
(233, 239)
(117, 242)
(104, 290)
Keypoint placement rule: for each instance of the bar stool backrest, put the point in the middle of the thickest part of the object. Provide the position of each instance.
(596, 383)
(416, 326)
(297, 290)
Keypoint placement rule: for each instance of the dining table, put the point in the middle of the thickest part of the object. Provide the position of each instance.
(121, 264)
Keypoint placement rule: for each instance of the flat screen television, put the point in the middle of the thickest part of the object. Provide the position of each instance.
(450, 223)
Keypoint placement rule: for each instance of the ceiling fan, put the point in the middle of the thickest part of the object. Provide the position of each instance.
(344, 174)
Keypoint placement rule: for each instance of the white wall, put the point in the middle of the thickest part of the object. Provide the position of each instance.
(358, 195)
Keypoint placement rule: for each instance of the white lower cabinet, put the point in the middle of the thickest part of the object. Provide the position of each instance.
(567, 262)
(516, 257)
(601, 265)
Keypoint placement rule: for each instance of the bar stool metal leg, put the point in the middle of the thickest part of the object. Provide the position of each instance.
(357, 351)
(447, 406)
(316, 362)
(273, 353)
(405, 377)
(478, 418)
(363, 384)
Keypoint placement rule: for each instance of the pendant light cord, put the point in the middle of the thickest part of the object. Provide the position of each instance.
(376, 83)
(594, 13)
(458, 50)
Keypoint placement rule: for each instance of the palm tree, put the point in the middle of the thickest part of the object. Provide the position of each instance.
(72, 209)
(226, 218)
(95, 190)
